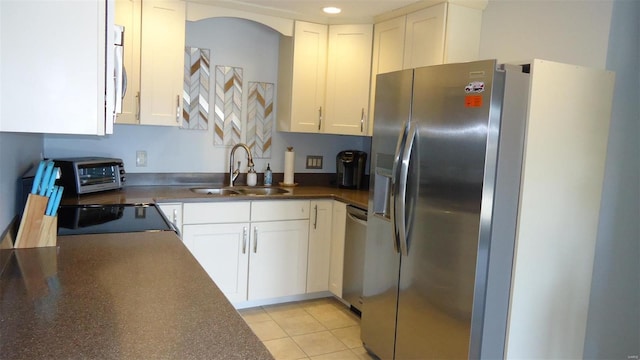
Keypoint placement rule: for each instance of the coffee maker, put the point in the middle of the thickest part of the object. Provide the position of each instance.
(350, 165)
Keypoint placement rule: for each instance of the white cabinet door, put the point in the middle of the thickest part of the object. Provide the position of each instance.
(388, 52)
(301, 78)
(348, 75)
(53, 57)
(339, 221)
(424, 38)
(443, 33)
(319, 245)
(173, 212)
(274, 210)
(129, 15)
(222, 250)
(388, 46)
(278, 259)
(217, 212)
(162, 61)
(464, 25)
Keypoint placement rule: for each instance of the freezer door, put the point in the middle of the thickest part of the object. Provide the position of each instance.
(451, 109)
(382, 259)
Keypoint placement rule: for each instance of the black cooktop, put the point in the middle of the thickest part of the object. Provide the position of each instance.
(100, 219)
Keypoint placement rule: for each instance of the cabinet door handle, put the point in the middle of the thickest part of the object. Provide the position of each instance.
(244, 239)
(315, 220)
(255, 239)
(320, 118)
(138, 106)
(362, 121)
(175, 217)
(178, 109)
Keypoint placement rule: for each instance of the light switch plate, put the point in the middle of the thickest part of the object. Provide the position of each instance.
(141, 158)
(314, 162)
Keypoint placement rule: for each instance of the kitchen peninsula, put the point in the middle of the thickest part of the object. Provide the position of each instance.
(117, 296)
(132, 295)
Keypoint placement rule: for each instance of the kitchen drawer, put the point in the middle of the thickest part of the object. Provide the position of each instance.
(279, 210)
(216, 212)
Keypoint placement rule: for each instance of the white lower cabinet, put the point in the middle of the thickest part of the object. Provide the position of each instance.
(173, 212)
(222, 250)
(252, 250)
(320, 219)
(278, 259)
(336, 263)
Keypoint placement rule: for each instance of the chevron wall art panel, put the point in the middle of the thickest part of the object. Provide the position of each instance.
(228, 106)
(260, 119)
(195, 109)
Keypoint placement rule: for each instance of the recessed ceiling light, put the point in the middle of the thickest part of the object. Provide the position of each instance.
(332, 10)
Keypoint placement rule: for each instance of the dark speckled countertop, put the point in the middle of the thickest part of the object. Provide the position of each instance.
(182, 193)
(117, 296)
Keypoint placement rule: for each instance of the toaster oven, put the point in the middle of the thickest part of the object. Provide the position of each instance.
(83, 175)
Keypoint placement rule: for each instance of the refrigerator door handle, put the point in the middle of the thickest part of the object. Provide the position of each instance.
(401, 198)
(395, 184)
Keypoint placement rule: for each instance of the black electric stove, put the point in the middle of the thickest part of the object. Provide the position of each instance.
(100, 219)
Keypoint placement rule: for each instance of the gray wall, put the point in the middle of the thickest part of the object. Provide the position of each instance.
(17, 153)
(613, 327)
(233, 42)
(573, 32)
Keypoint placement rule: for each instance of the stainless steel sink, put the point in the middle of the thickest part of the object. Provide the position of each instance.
(261, 191)
(240, 191)
(214, 191)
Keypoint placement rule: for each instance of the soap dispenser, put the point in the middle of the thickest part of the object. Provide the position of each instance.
(252, 177)
(268, 176)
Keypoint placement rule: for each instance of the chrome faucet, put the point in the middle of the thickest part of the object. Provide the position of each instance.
(233, 174)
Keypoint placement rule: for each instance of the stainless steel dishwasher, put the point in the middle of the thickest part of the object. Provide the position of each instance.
(354, 245)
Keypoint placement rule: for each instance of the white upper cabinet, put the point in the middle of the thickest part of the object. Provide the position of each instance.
(424, 37)
(348, 74)
(54, 56)
(444, 33)
(301, 78)
(129, 15)
(162, 62)
(439, 34)
(388, 46)
(153, 59)
(323, 79)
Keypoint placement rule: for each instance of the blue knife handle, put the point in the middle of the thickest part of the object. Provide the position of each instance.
(52, 200)
(51, 182)
(38, 177)
(45, 178)
(56, 202)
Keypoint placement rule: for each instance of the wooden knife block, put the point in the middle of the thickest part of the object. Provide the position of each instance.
(36, 229)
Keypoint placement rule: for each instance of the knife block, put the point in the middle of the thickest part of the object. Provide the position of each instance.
(36, 228)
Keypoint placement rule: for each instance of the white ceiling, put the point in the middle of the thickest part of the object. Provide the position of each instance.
(353, 11)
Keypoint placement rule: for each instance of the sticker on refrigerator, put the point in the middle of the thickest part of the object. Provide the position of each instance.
(473, 101)
(474, 87)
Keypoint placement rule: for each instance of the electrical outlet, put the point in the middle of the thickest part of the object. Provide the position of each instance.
(141, 158)
(314, 162)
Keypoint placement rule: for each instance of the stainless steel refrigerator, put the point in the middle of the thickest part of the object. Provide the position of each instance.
(444, 191)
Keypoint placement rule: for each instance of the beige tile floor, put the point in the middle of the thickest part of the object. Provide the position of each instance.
(315, 329)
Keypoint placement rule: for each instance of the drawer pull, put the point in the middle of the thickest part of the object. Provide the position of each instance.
(255, 239)
(244, 239)
(315, 220)
(178, 109)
